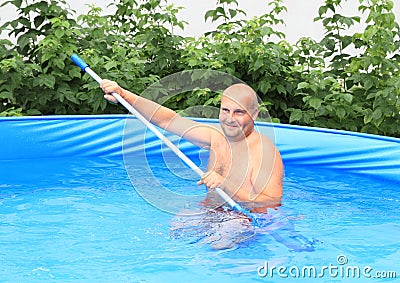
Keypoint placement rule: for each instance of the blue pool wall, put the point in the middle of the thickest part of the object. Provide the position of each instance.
(105, 136)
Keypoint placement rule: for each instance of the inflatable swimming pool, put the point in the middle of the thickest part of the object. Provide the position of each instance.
(70, 211)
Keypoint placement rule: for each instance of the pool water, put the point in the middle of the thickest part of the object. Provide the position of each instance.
(80, 219)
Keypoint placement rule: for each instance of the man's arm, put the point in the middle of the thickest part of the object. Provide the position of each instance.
(161, 116)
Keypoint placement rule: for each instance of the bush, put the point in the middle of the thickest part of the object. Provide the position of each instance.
(308, 83)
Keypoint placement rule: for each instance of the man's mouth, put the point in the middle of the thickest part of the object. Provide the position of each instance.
(231, 126)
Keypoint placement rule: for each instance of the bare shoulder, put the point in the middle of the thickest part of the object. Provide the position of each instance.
(201, 134)
(264, 143)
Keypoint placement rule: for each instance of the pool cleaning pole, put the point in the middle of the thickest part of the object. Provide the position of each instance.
(85, 67)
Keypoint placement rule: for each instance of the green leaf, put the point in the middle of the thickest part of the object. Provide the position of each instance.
(33, 112)
(232, 12)
(303, 85)
(322, 10)
(264, 86)
(22, 41)
(377, 114)
(315, 102)
(25, 22)
(110, 65)
(71, 97)
(47, 80)
(281, 89)
(220, 11)
(283, 106)
(59, 33)
(257, 65)
(59, 63)
(368, 83)
(368, 116)
(348, 97)
(210, 14)
(296, 115)
(340, 112)
(74, 73)
(38, 21)
(6, 95)
(17, 3)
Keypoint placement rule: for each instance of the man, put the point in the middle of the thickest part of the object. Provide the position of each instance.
(243, 162)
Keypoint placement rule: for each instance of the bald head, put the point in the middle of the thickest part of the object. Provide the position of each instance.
(243, 95)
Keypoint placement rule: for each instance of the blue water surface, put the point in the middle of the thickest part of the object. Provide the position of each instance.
(81, 220)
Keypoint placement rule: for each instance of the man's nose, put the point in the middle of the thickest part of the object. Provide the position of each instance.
(229, 117)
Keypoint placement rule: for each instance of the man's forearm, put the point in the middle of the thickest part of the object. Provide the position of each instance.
(152, 111)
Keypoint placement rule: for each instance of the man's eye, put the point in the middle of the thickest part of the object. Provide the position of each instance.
(240, 112)
(225, 110)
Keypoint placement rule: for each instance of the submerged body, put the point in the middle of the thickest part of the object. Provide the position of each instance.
(224, 229)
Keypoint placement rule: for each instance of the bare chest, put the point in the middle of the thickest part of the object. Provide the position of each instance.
(234, 163)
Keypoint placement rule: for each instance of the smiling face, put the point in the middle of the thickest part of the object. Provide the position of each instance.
(238, 111)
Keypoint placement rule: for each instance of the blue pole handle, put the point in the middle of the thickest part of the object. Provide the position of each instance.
(79, 62)
(240, 209)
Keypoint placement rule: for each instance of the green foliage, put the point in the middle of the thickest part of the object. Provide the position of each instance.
(368, 96)
(351, 92)
(243, 48)
(37, 76)
(345, 81)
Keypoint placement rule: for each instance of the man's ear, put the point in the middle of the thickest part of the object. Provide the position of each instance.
(255, 115)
